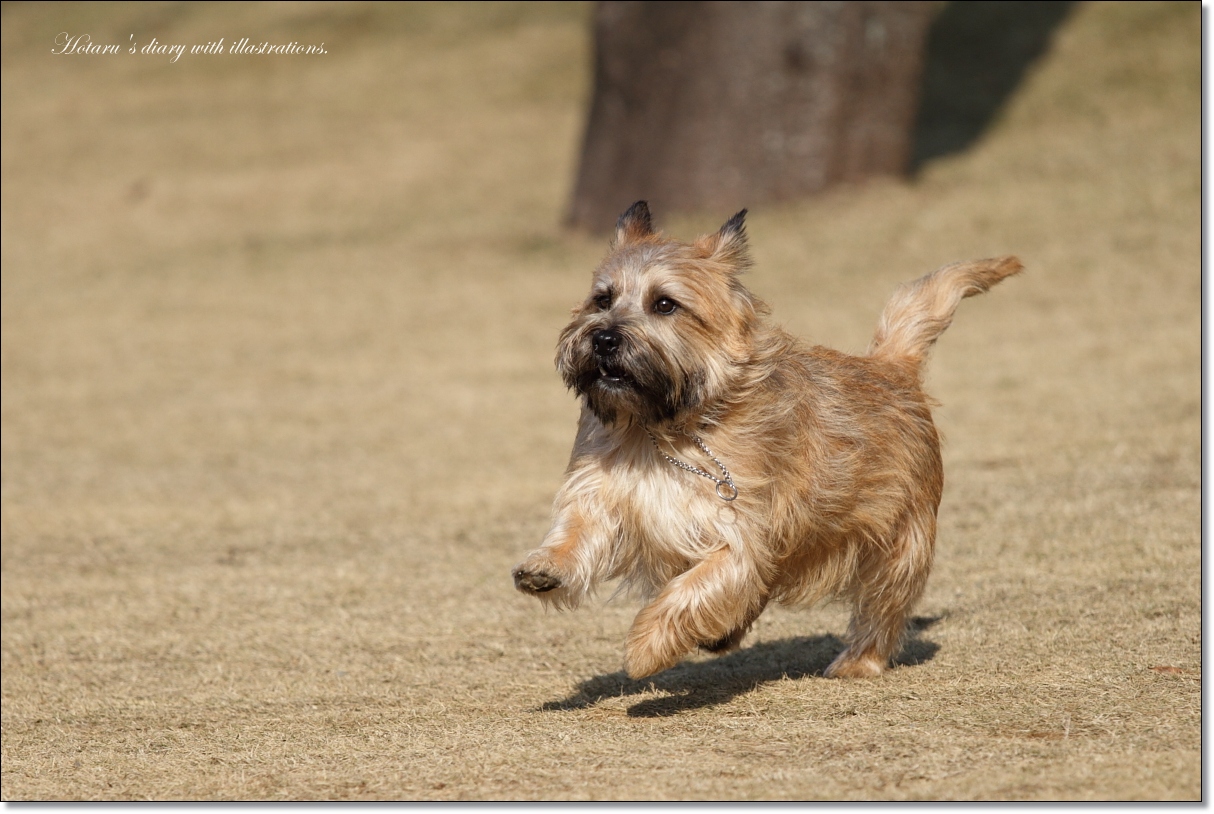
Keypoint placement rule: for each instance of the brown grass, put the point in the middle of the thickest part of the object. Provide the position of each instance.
(279, 414)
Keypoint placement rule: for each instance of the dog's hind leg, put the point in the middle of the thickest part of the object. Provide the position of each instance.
(888, 583)
(714, 602)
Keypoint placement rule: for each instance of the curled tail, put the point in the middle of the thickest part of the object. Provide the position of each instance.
(920, 310)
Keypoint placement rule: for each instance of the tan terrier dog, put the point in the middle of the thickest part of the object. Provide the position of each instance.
(720, 464)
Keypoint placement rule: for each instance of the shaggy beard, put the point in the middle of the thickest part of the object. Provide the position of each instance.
(631, 386)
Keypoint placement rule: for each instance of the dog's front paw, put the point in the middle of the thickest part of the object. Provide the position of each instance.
(533, 581)
(650, 647)
(641, 660)
(726, 643)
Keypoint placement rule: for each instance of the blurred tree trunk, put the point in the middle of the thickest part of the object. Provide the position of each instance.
(727, 104)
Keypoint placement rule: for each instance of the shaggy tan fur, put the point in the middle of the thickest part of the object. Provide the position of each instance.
(834, 457)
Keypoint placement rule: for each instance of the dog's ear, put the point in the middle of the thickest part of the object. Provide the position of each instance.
(728, 245)
(634, 224)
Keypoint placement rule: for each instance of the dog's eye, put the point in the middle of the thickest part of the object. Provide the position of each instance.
(603, 301)
(665, 305)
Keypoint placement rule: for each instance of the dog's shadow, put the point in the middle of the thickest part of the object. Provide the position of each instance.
(695, 685)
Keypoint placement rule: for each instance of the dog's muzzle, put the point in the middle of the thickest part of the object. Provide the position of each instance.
(606, 344)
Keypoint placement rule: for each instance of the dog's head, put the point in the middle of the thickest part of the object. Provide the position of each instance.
(666, 326)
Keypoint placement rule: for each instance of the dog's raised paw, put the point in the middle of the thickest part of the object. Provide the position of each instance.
(535, 582)
(724, 644)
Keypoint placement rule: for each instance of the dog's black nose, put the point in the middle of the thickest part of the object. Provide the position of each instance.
(606, 342)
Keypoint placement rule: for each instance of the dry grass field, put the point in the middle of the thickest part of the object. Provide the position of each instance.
(279, 414)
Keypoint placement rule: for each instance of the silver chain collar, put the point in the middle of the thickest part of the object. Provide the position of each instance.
(725, 488)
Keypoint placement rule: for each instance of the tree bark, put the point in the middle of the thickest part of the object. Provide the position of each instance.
(720, 105)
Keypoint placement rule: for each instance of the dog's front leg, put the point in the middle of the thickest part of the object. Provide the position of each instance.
(711, 605)
(574, 556)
